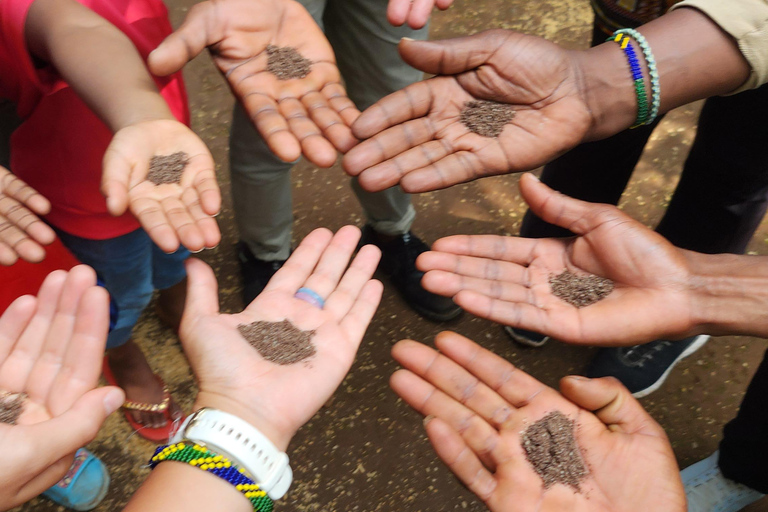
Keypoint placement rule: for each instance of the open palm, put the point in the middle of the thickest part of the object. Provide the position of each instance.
(275, 398)
(416, 137)
(506, 279)
(309, 115)
(481, 403)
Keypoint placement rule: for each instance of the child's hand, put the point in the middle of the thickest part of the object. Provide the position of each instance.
(415, 12)
(170, 213)
(21, 232)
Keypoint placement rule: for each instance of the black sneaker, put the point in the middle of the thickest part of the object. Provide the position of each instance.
(527, 338)
(255, 273)
(398, 263)
(643, 368)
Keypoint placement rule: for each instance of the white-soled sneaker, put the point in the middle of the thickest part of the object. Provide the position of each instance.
(707, 490)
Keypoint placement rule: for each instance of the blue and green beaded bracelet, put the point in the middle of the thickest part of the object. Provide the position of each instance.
(637, 78)
(653, 72)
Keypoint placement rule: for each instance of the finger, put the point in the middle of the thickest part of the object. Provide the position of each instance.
(207, 186)
(410, 103)
(459, 167)
(28, 250)
(340, 103)
(449, 284)
(469, 266)
(301, 263)
(453, 56)
(18, 242)
(207, 225)
(333, 262)
(200, 29)
(329, 122)
(182, 223)
(612, 403)
(8, 256)
(516, 250)
(14, 321)
(266, 117)
(313, 145)
(115, 182)
(202, 293)
(17, 189)
(397, 11)
(152, 218)
(420, 12)
(46, 476)
(577, 216)
(514, 385)
(465, 464)
(520, 315)
(443, 4)
(355, 323)
(357, 275)
(453, 380)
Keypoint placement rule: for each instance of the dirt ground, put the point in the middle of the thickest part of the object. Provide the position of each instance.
(367, 451)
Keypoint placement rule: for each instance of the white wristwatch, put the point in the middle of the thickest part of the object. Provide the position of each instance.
(243, 444)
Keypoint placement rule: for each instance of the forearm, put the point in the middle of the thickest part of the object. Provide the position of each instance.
(695, 58)
(729, 293)
(97, 60)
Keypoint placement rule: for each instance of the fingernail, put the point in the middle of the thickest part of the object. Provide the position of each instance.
(407, 39)
(113, 401)
(535, 177)
(578, 377)
(197, 251)
(427, 419)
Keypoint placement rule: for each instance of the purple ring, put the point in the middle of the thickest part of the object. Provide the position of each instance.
(310, 296)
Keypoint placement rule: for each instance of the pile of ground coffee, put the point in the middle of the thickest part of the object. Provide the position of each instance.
(11, 406)
(551, 448)
(167, 168)
(279, 342)
(580, 291)
(286, 63)
(486, 118)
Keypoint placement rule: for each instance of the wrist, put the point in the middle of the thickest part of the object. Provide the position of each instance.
(151, 107)
(278, 436)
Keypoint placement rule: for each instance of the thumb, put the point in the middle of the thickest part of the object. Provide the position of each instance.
(202, 291)
(612, 403)
(77, 426)
(199, 31)
(452, 56)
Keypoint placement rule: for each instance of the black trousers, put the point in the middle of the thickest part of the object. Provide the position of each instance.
(716, 208)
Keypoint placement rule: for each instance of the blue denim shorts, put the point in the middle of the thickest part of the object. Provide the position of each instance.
(131, 267)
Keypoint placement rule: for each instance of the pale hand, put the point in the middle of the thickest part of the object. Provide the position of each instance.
(234, 377)
(415, 12)
(51, 348)
(22, 233)
(477, 404)
(172, 214)
(416, 137)
(309, 115)
(506, 279)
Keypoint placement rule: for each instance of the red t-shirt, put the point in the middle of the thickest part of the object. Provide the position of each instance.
(58, 149)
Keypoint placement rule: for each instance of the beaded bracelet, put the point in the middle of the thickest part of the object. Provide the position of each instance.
(637, 77)
(202, 458)
(652, 70)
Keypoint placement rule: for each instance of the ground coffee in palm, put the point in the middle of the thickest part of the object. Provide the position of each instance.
(279, 342)
(580, 291)
(286, 63)
(486, 118)
(11, 406)
(167, 168)
(550, 446)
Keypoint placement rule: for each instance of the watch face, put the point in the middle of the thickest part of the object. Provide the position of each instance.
(615, 14)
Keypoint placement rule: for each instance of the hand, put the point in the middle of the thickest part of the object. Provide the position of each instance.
(51, 348)
(22, 233)
(477, 404)
(417, 138)
(235, 378)
(310, 115)
(171, 214)
(506, 279)
(416, 13)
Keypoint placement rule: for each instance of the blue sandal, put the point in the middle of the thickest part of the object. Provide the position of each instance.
(85, 484)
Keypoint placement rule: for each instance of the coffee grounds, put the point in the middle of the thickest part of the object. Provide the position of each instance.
(279, 342)
(11, 406)
(286, 63)
(486, 118)
(167, 168)
(551, 448)
(580, 291)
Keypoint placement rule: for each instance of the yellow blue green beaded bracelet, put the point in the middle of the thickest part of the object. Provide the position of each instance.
(653, 72)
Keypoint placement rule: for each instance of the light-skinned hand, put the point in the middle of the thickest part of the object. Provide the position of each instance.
(172, 214)
(22, 233)
(415, 136)
(51, 348)
(477, 405)
(506, 279)
(234, 377)
(415, 12)
(311, 115)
